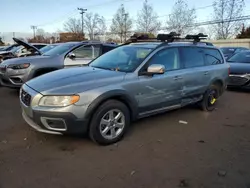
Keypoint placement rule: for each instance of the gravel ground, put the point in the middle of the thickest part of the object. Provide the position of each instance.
(211, 151)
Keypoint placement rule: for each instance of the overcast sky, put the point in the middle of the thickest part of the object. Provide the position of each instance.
(19, 15)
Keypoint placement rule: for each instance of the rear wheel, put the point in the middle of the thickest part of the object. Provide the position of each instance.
(210, 98)
(109, 122)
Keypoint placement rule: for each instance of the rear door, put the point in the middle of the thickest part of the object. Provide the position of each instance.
(82, 55)
(196, 76)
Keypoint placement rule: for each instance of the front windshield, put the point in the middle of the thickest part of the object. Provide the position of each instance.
(243, 57)
(59, 50)
(47, 48)
(124, 59)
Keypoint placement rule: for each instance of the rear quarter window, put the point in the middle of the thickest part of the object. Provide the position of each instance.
(213, 57)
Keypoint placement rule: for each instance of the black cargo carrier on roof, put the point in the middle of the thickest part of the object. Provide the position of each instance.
(168, 38)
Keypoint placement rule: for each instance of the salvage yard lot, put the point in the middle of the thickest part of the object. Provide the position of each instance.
(212, 150)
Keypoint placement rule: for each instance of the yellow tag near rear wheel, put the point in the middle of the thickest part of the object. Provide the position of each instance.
(213, 101)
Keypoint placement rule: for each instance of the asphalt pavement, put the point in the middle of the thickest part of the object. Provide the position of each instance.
(182, 148)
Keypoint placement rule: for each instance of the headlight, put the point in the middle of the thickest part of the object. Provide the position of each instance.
(19, 66)
(58, 101)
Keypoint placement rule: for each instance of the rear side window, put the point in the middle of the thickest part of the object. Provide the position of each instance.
(192, 57)
(213, 57)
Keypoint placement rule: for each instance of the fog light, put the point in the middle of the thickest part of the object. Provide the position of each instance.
(56, 124)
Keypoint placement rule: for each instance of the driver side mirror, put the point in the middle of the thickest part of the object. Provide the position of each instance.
(156, 69)
(71, 56)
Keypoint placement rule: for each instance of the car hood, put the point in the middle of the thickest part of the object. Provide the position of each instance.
(26, 45)
(239, 68)
(31, 59)
(74, 80)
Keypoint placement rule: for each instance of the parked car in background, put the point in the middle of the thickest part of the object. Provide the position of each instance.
(21, 49)
(49, 47)
(240, 70)
(133, 81)
(3, 48)
(230, 51)
(15, 72)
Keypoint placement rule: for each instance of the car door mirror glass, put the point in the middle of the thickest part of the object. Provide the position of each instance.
(71, 56)
(156, 69)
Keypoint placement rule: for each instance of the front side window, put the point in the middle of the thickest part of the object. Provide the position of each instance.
(192, 57)
(213, 57)
(89, 52)
(167, 57)
(124, 59)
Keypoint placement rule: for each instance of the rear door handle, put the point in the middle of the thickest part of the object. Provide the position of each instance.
(206, 73)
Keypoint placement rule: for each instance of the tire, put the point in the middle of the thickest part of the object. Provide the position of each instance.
(111, 131)
(210, 98)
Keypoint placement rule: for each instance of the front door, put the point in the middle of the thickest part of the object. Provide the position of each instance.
(82, 55)
(161, 91)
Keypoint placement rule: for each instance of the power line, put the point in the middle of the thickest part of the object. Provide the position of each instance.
(197, 24)
(71, 13)
(199, 8)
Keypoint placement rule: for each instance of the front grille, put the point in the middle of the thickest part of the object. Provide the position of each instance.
(237, 80)
(25, 97)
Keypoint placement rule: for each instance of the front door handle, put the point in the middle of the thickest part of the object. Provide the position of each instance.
(178, 78)
(206, 73)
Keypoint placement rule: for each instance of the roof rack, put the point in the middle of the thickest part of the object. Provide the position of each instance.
(196, 38)
(171, 37)
(168, 37)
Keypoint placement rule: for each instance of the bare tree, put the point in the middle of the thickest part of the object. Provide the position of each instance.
(73, 25)
(181, 18)
(226, 13)
(121, 23)
(40, 32)
(147, 19)
(95, 25)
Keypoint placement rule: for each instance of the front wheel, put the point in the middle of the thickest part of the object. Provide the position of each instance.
(109, 122)
(210, 98)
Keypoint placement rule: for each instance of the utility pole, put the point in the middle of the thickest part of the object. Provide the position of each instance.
(125, 32)
(82, 11)
(34, 30)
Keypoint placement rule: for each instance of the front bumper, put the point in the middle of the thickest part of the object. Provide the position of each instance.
(239, 81)
(13, 78)
(51, 120)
